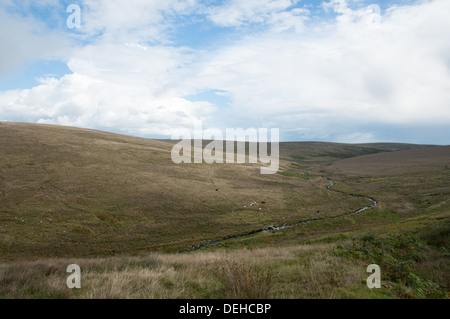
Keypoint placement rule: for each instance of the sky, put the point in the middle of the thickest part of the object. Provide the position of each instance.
(350, 71)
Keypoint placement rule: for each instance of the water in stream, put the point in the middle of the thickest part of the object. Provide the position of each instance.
(277, 228)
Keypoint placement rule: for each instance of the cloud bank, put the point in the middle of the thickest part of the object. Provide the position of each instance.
(346, 75)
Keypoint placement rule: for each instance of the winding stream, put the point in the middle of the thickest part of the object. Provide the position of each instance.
(277, 228)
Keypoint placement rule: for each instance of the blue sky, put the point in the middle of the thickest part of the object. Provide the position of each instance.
(331, 70)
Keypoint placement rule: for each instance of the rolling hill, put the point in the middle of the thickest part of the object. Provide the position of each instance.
(68, 191)
(70, 194)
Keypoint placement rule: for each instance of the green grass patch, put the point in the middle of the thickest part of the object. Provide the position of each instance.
(292, 174)
(397, 255)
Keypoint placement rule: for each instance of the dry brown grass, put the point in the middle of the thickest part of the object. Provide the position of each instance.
(70, 192)
(241, 281)
(291, 272)
(301, 271)
(89, 195)
(420, 160)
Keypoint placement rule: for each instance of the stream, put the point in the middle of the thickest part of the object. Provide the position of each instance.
(284, 226)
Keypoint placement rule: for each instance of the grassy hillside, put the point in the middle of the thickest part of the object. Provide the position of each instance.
(429, 159)
(81, 196)
(76, 192)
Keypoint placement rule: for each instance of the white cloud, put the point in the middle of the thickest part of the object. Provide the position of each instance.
(79, 100)
(275, 13)
(356, 138)
(24, 39)
(118, 81)
(318, 79)
(132, 20)
(158, 68)
(348, 71)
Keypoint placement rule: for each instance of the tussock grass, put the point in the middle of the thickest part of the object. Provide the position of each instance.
(243, 282)
(306, 271)
(333, 270)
